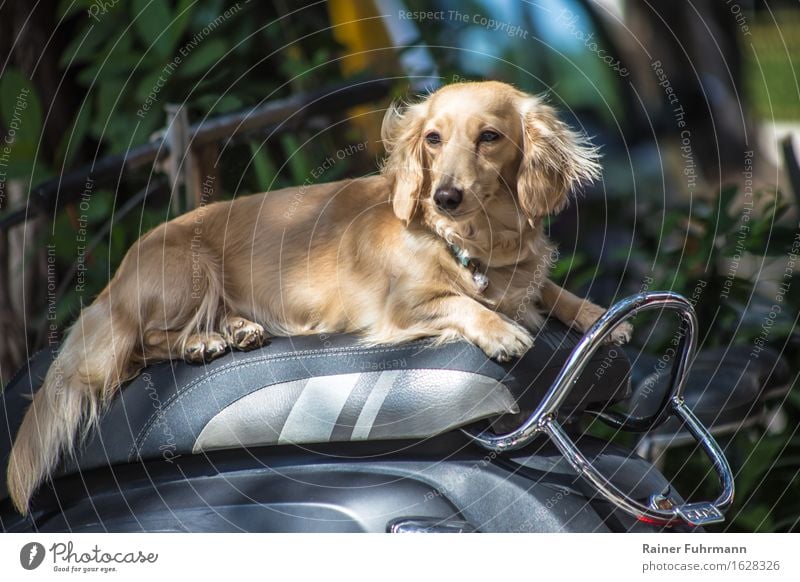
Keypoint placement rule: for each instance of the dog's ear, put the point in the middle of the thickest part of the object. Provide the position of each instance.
(404, 166)
(555, 159)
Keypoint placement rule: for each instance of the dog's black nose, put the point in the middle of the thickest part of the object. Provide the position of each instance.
(448, 198)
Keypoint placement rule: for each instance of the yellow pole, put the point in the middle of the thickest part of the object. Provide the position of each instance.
(359, 28)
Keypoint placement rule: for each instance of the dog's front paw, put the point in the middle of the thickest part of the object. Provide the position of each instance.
(204, 347)
(622, 334)
(502, 340)
(243, 334)
(590, 313)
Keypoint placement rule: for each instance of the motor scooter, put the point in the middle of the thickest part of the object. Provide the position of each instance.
(322, 434)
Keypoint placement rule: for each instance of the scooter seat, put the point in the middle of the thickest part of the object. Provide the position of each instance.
(318, 389)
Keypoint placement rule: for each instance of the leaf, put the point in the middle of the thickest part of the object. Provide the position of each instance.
(758, 462)
(150, 17)
(791, 520)
(755, 518)
(118, 241)
(73, 139)
(99, 208)
(203, 57)
(565, 265)
(787, 462)
(21, 166)
(85, 45)
(118, 66)
(103, 63)
(127, 130)
(183, 14)
(723, 218)
(205, 12)
(67, 8)
(794, 397)
(211, 104)
(151, 88)
(781, 207)
(263, 166)
(777, 242)
(299, 166)
(20, 110)
(227, 103)
(106, 99)
(727, 195)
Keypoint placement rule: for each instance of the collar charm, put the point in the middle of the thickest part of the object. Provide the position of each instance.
(480, 279)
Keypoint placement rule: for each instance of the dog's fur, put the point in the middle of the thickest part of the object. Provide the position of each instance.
(368, 256)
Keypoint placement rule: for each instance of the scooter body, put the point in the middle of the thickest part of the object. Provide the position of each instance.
(321, 434)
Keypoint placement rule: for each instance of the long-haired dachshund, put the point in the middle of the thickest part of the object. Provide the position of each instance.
(447, 242)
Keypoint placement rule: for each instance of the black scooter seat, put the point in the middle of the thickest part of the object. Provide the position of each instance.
(319, 389)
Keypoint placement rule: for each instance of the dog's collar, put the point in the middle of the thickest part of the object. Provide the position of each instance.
(463, 258)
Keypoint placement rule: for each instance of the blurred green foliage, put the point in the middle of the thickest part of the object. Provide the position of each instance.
(729, 255)
(126, 61)
(726, 257)
(21, 109)
(733, 262)
(770, 63)
(213, 56)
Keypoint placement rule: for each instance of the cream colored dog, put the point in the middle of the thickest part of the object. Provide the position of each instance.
(446, 242)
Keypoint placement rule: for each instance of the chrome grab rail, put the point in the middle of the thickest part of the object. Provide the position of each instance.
(544, 419)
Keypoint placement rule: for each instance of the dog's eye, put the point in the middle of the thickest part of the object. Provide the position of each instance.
(433, 138)
(487, 136)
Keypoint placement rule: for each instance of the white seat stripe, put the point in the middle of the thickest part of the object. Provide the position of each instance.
(314, 414)
(373, 405)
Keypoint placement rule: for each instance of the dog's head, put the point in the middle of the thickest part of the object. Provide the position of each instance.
(482, 149)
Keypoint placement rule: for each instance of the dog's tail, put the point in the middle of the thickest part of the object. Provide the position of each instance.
(95, 358)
